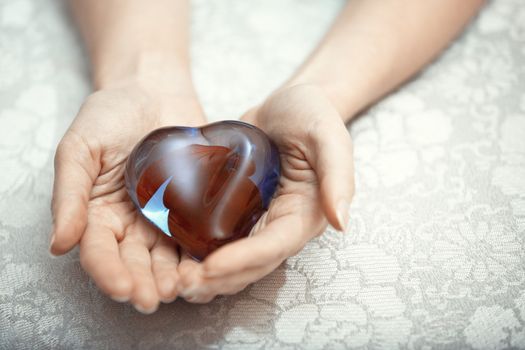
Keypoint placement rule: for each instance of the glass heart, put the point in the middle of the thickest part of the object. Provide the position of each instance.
(203, 187)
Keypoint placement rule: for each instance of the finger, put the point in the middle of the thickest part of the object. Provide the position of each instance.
(331, 158)
(134, 250)
(75, 172)
(206, 289)
(189, 272)
(279, 239)
(100, 258)
(164, 260)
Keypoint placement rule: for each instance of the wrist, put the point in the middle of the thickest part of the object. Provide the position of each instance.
(342, 96)
(153, 71)
(155, 83)
(337, 94)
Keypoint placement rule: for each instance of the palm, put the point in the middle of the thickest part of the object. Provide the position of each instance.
(297, 198)
(124, 254)
(120, 246)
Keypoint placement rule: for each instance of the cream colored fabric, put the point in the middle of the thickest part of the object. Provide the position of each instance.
(435, 254)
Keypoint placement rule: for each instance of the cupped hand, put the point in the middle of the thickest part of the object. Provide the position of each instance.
(126, 256)
(316, 187)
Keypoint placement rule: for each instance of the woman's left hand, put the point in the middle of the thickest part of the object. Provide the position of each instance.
(316, 187)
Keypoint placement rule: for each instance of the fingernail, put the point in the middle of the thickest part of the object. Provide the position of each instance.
(343, 214)
(121, 299)
(188, 292)
(168, 301)
(190, 299)
(145, 311)
(185, 292)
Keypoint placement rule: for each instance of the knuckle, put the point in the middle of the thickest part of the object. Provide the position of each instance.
(64, 148)
(185, 278)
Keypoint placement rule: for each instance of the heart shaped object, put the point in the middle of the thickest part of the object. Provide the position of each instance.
(203, 187)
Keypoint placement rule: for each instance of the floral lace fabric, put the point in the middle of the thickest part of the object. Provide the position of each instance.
(435, 253)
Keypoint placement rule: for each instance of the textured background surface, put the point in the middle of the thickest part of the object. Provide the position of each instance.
(435, 257)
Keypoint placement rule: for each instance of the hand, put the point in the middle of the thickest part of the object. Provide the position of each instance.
(316, 187)
(126, 256)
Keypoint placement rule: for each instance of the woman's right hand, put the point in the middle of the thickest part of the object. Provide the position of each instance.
(126, 257)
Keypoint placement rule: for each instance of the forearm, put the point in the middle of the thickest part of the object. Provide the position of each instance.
(138, 40)
(375, 45)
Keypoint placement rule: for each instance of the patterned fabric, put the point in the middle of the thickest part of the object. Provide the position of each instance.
(435, 255)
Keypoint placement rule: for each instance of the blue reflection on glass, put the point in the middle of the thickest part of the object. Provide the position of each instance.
(155, 210)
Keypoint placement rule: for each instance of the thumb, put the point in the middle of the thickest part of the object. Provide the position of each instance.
(331, 158)
(75, 172)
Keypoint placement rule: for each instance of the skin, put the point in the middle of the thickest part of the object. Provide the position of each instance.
(142, 82)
